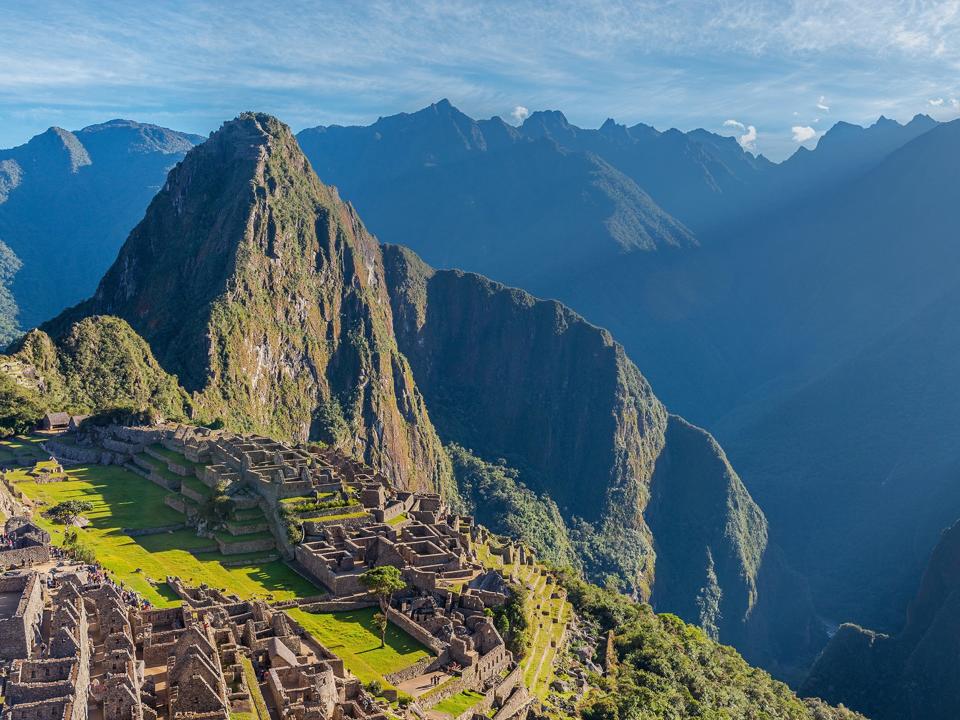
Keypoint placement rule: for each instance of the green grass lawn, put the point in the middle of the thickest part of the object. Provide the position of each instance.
(174, 456)
(455, 705)
(160, 466)
(334, 518)
(260, 711)
(353, 637)
(122, 499)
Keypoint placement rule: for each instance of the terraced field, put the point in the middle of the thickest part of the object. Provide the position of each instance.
(548, 618)
(125, 501)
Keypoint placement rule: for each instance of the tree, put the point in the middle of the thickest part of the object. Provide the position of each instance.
(380, 622)
(383, 582)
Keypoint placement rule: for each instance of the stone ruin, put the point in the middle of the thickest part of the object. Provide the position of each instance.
(23, 544)
(188, 663)
(70, 650)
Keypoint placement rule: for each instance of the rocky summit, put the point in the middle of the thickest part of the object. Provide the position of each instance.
(264, 294)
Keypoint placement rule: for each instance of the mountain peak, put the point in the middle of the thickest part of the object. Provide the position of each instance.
(264, 293)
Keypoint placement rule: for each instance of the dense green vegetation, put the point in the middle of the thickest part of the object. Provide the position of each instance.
(21, 406)
(665, 669)
(498, 499)
(99, 364)
(9, 266)
(456, 705)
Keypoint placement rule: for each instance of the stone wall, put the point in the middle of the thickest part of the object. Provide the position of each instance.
(514, 704)
(17, 631)
(448, 689)
(418, 668)
(141, 532)
(415, 630)
(24, 557)
(246, 546)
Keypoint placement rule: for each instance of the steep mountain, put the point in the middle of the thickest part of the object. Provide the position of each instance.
(263, 292)
(68, 200)
(481, 195)
(645, 495)
(912, 675)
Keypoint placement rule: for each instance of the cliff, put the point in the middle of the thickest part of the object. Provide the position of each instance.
(264, 293)
(645, 494)
(909, 676)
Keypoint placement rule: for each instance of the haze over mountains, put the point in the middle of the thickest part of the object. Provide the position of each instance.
(259, 291)
(793, 270)
(803, 312)
(67, 201)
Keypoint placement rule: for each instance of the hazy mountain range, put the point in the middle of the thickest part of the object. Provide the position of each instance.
(262, 295)
(803, 312)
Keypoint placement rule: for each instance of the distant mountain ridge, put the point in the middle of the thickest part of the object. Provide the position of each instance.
(482, 195)
(67, 201)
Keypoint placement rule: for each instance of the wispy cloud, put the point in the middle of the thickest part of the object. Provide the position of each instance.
(935, 102)
(746, 134)
(803, 133)
(192, 64)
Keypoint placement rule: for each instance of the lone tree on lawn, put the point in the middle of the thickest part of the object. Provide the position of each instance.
(380, 623)
(383, 582)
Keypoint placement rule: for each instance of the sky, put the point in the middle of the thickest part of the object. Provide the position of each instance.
(774, 74)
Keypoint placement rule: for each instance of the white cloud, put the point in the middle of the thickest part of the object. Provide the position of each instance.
(935, 102)
(520, 113)
(955, 103)
(802, 133)
(746, 134)
(822, 104)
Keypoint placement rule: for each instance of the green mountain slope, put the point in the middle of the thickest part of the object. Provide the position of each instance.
(660, 668)
(644, 495)
(264, 294)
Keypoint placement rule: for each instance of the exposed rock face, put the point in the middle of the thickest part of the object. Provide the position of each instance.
(910, 676)
(264, 294)
(647, 494)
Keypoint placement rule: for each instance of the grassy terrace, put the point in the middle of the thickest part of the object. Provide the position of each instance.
(161, 468)
(124, 500)
(456, 705)
(538, 663)
(195, 485)
(173, 456)
(334, 518)
(353, 637)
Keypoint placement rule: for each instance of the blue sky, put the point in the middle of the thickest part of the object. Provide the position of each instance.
(788, 70)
